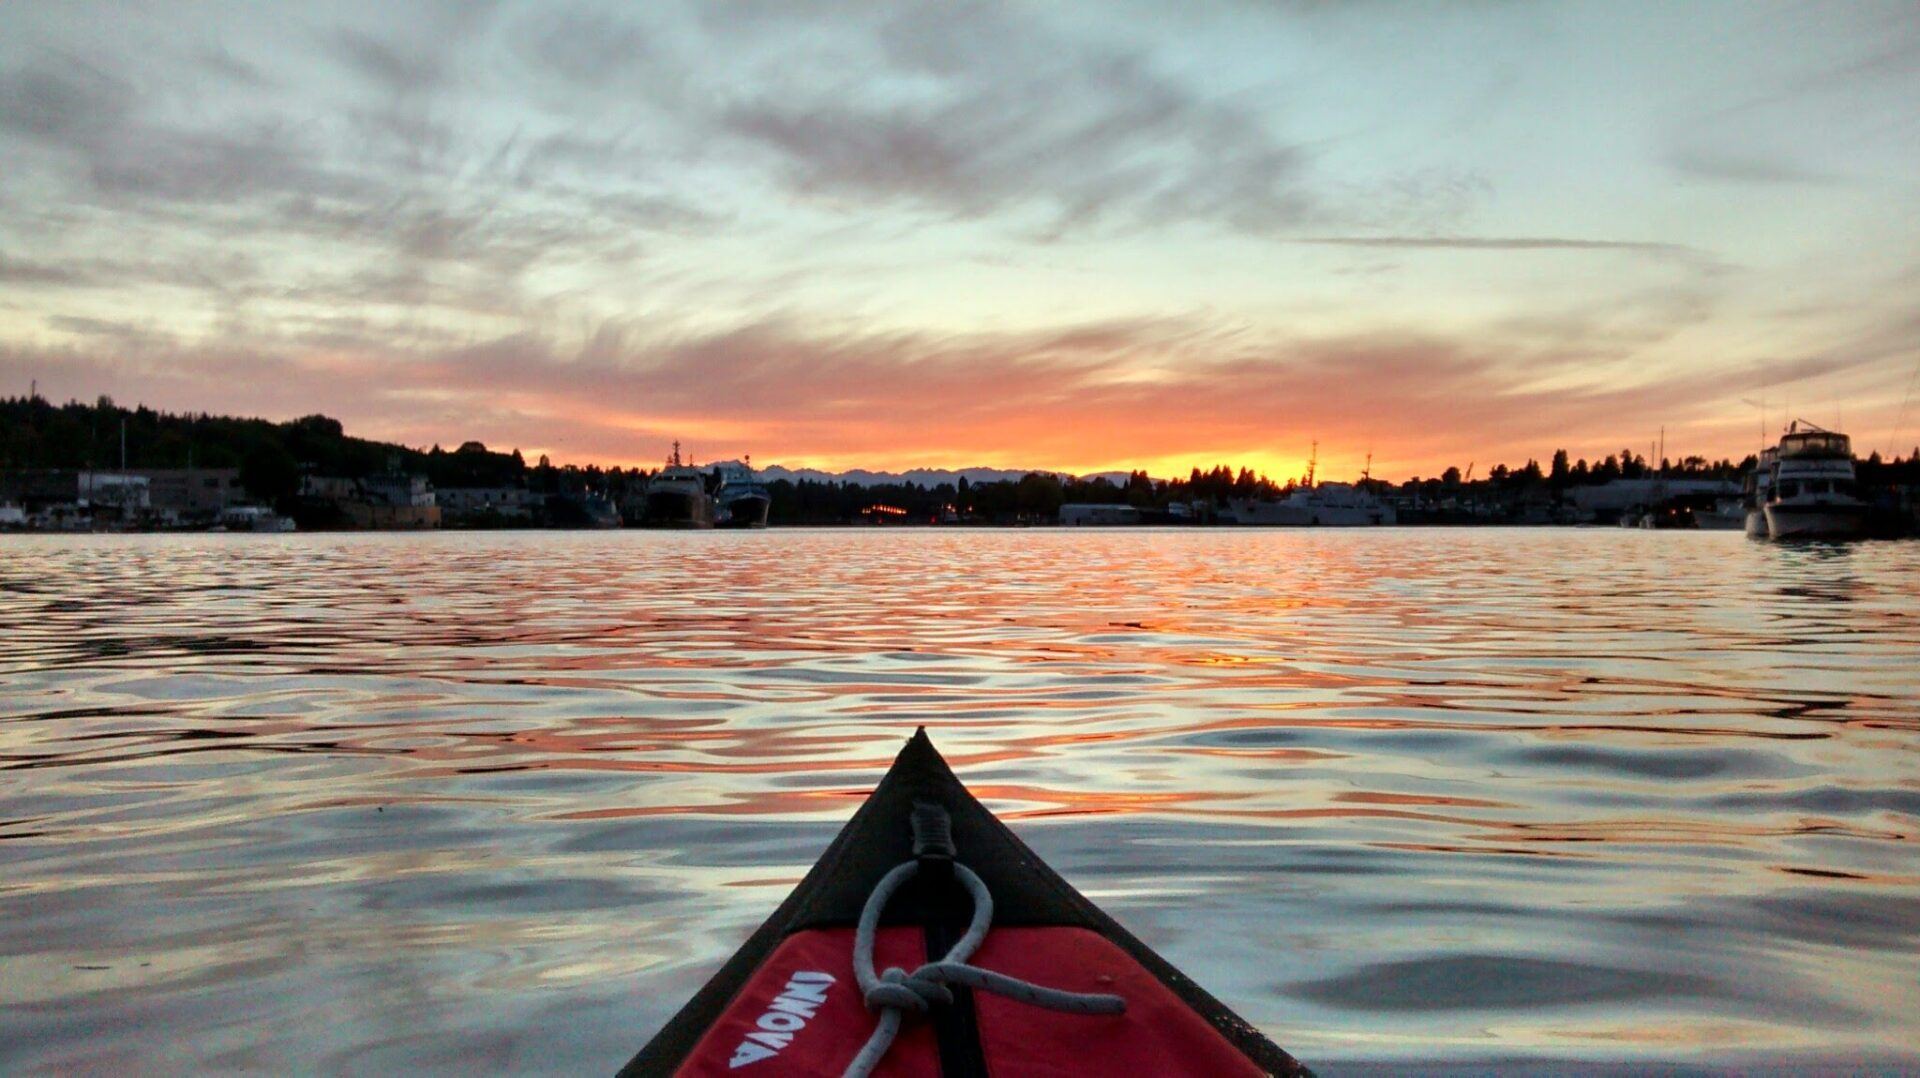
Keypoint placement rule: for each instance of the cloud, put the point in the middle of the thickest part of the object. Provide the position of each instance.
(1741, 167)
(93, 327)
(172, 165)
(1008, 117)
(27, 272)
(60, 101)
(1081, 396)
(217, 59)
(124, 153)
(1496, 243)
(393, 68)
(588, 50)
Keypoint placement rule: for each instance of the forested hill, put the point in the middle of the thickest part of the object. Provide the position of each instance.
(35, 433)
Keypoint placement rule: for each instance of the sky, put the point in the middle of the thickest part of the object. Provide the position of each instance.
(1073, 236)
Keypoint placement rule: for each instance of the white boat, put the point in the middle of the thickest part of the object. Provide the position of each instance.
(1814, 495)
(677, 497)
(1727, 515)
(742, 500)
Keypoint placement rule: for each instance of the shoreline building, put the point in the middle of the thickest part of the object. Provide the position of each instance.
(1088, 515)
(391, 502)
(186, 495)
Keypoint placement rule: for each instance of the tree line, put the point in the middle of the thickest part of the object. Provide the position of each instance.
(272, 457)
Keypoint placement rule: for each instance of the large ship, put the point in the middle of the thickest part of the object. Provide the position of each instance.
(1813, 494)
(677, 497)
(742, 499)
(1325, 505)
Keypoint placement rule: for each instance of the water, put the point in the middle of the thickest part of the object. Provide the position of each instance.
(377, 803)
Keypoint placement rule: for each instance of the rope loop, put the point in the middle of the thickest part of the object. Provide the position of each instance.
(895, 992)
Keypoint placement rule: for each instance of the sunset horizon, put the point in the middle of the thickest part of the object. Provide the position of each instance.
(1325, 462)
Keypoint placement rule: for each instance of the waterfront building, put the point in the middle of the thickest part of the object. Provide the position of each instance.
(514, 504)
(380, 502)
(190, 493)
(1093, 515)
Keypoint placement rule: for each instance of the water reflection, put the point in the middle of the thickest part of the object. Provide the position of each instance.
(502, 801)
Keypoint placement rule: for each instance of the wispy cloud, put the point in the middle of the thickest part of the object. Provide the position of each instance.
(1080, 396)
(1495, 243)
(1742, 166)
(28, 272)
(1011, 115)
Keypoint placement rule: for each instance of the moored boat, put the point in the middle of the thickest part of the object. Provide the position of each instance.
(1757, 489)
(1726, 515)
(1814, 494)
(1317, 505)
(677, 497)
(1324, 505)
(989, 964)
(742, 500)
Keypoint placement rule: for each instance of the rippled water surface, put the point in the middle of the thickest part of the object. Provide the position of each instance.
(375, 803)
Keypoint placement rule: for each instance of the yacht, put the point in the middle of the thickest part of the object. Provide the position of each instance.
(677, 497)
(1813, 494)
(742, 498)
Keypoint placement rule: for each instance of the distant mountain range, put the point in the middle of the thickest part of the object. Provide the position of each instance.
(926, 477)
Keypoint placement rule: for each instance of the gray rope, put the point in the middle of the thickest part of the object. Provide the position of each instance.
(895, 991)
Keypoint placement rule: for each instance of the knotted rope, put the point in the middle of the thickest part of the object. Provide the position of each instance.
(894, 991)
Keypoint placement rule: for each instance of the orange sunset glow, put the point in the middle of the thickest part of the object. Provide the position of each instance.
(1001, 235)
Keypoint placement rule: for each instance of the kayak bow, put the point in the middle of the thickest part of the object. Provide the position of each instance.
(988, 963)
